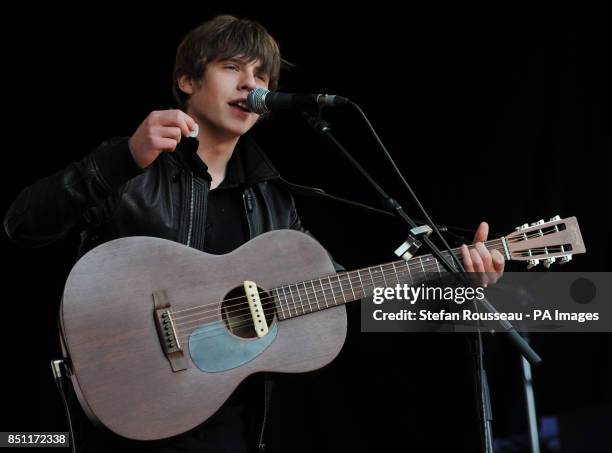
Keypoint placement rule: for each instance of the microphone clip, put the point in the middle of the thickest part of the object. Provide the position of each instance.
(411, 245)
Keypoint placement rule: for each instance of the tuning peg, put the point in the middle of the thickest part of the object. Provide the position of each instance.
(548, 262)
(539, 222)
(522, 227)
(532, 264)
(565, 259)
(555, 218)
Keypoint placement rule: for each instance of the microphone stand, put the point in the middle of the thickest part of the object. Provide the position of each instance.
(527, 299)
(476, 347)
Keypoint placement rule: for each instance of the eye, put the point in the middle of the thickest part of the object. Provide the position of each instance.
(232, 66)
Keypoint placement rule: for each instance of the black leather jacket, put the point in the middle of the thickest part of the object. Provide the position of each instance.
(106, 196)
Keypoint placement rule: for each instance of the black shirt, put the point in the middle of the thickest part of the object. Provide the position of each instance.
(226, 223)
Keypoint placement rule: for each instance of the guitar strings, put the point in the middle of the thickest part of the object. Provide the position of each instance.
(323, 291)
(248, 319)
(319, 295)
(346, 278)
(429, 257)
(343, 274)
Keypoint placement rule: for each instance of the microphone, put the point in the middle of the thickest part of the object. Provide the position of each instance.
(261, 100)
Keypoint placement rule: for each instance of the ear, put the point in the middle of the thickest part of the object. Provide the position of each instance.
(186, 84)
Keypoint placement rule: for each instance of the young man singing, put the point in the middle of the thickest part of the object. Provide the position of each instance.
(213, 194)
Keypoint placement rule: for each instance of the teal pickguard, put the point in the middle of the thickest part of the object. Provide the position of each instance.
(213, 348)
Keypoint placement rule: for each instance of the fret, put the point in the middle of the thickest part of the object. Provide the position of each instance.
(297, 289)
(331, 288)
(361, 283)
(286, 299)
(422, 267)
(425, 263)
(280, 302)
(293, 300)
(371, 278)
(341, 290)
(395, 272)
(383, 276)
(409, 272)
(314, 291)
(351, 283)
(324, 296)
(306, 294)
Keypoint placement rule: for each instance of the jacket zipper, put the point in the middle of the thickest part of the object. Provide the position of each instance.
(248, 207)
(191, 203)
(261, 446)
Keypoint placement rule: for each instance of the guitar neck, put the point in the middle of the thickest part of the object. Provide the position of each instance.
(309, 296)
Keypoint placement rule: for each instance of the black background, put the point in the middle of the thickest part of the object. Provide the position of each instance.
(495, 116)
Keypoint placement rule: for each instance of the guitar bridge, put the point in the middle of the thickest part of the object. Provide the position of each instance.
(166, 330)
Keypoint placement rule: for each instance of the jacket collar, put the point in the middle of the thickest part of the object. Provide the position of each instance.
(247, 166)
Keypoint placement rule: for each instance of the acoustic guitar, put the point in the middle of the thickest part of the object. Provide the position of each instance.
(158, 334)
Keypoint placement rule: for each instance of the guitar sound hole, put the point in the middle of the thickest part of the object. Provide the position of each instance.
(236, 313)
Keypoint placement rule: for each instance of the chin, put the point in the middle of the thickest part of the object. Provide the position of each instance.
(239, 130)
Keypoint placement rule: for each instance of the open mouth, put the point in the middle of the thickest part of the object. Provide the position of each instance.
(241, 105)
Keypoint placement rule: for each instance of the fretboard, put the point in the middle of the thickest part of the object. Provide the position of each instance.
(308, 296)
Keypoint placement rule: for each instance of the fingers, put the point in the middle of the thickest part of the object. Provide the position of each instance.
(191, 124)
(174, 133)
(472, 262)
(175, 118)
(165, 144)
(498, 261)
(467, 260)
(160, 131)
(477, 260)
(480, 259)
(482, 232)
(485, 257)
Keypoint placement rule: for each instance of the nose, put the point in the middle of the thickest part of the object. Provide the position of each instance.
(248, 81)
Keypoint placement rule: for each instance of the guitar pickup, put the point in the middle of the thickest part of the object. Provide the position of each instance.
(257, 313)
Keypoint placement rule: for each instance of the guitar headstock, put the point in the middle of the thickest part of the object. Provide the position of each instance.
(557, 239)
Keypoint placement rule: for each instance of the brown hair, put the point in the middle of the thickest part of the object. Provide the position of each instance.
(225, 37)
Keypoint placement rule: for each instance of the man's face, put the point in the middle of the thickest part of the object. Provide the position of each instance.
(216, 100)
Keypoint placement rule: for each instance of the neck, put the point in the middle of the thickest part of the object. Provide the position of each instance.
(215, 149)
(313, 295)
(216, 156)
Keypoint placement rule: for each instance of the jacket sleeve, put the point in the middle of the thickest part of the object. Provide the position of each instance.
(54, 206)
